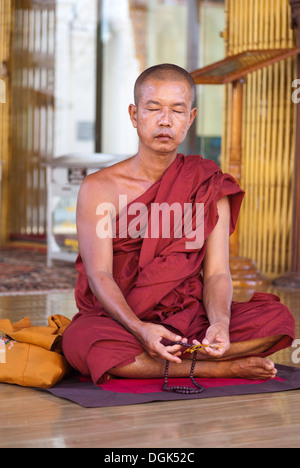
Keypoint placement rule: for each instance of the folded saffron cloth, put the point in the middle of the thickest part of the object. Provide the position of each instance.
(32, 356)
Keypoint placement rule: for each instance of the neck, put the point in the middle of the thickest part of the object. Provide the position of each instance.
(153, 167)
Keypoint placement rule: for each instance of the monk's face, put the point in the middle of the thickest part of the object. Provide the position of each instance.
(164, 115)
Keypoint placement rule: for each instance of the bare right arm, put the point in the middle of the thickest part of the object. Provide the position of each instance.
(97, 256)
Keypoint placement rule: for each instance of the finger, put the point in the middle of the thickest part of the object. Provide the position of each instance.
(173, 349)
(164, 354)
(217, 352)
(196, 343)
(171, 336)
(213, 340)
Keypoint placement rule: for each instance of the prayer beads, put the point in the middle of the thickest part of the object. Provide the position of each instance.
(181, 389)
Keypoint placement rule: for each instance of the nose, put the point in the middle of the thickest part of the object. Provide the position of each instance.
(165, 117)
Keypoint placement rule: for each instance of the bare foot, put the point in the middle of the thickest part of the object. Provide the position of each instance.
(253, 368)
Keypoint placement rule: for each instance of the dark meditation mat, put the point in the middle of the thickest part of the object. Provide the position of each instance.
(121, 392)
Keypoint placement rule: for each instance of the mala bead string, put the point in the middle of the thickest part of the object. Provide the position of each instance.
(193, 348)
(181, 389)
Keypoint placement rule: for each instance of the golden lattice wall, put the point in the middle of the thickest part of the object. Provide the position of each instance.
(268, 132)
(32, 63)
(5, 109)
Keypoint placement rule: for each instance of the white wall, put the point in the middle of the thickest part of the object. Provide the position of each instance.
(121, 69)
(212, 49)
(75, 74)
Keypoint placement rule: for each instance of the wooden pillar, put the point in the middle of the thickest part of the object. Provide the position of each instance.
(292, 278)
(243, 270)
(235, 162)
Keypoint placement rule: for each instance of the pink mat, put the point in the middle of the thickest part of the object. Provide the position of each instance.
(155, 385)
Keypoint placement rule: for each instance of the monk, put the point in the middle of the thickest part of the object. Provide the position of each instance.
(141, 291)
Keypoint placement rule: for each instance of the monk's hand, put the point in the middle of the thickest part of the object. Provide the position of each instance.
(150, 336)
(217, 339)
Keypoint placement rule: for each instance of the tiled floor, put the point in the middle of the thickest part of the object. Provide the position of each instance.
(35, 419)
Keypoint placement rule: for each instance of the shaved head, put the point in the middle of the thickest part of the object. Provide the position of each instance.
(164, 72)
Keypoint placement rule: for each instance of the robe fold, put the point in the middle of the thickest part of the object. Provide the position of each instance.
(160, 275)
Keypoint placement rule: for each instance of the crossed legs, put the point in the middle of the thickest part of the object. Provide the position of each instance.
(233, 365)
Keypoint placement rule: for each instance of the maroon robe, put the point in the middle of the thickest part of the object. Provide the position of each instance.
(162, 282)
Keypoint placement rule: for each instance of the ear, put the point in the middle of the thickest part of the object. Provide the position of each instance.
(133, 114)
(193, 115)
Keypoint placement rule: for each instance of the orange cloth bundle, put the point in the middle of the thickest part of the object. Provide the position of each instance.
(31, 356)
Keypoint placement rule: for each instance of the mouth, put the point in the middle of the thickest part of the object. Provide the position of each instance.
(163, 137)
